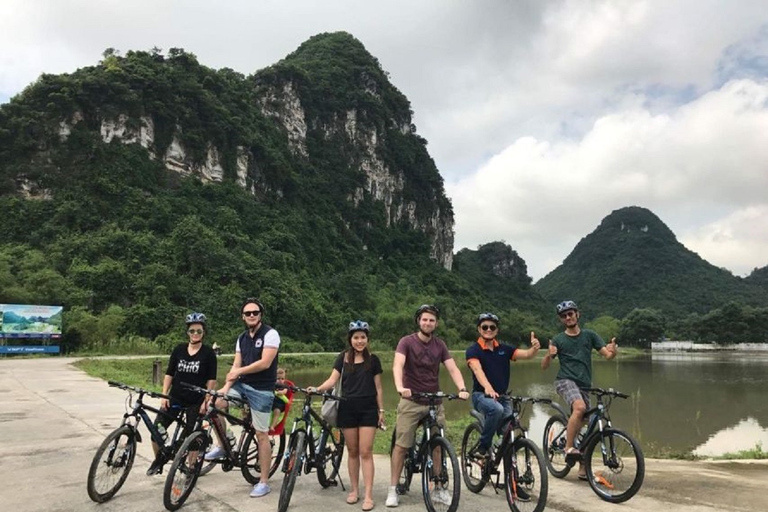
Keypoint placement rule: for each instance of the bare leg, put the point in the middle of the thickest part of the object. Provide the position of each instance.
(265, 455)
(578, 407)
(351, 440)
(366, 436)
(396, 464)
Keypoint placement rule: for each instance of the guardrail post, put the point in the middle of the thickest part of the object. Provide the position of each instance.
(157, 372)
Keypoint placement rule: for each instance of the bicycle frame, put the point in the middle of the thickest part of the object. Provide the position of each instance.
(307, 419)
(139, 413)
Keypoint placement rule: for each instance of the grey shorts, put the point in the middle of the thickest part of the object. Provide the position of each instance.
(571, 392)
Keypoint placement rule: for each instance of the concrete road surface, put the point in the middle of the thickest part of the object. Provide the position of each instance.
(53, 417)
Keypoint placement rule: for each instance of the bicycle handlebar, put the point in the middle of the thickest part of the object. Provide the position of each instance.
(434, 396)
(603, 392)
(140, 391)
(213, 393)
(307, 391)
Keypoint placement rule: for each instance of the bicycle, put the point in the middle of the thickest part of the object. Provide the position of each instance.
(614, 462)
(429, 452)
(114, 459)
(308, 448)
(525, 475)
(190, 458)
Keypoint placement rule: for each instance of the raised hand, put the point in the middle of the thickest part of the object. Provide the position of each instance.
(552, 349)
(535, 344)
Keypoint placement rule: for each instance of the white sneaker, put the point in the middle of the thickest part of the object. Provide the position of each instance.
(442, 496)
(217, 452)
(393, 499)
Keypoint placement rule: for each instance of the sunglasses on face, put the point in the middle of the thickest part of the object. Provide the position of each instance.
(194, 331)
(251, 313)
(488, 327)
(567, 314)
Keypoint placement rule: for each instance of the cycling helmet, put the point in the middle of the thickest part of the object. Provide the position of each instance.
(359, 325)
(427, 308)
(253, 300)
(195, 318)
(566, 305)
(487, 316)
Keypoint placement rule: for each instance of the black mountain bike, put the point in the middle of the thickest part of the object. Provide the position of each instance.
(310, 447)
(189, 460)
(613, 460)
(114, 459)
(524, 475)
(433, 456)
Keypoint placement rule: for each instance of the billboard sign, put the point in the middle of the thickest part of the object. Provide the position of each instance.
(30, 321)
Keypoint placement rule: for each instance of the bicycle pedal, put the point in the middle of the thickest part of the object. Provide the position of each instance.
(333, 483)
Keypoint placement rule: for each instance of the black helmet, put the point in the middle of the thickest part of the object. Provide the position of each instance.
(195, 318)
(566, 305)
(427, 308)
(253, 300)
(358, 325)
(487, 316)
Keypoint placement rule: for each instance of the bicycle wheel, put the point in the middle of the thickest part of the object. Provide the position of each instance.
(404, 482)
(329, 456)
(184, 471)
(525, 477)
(617, 475)
(440, 477)
(471, 468)
(111, 464)
(293, 464)
(554, 446)
(249, 456)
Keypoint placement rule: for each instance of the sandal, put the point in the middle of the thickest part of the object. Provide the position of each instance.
(352, 498)
(368, 505)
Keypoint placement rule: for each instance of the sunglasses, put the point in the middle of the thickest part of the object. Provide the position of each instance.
(251, 313)
(567, 314)
(194, 331)
(488, 327)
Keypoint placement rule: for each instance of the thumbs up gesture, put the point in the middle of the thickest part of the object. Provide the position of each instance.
(535, 344)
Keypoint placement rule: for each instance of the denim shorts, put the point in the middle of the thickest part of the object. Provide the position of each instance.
(259, 401)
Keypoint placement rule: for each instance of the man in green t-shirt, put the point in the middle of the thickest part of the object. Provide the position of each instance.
(574, 348)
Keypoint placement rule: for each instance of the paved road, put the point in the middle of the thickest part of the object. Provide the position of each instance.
(53, 417)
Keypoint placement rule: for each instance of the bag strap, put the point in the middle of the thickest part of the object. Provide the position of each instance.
(341, 377)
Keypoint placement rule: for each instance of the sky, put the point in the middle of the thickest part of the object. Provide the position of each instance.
(542, 116)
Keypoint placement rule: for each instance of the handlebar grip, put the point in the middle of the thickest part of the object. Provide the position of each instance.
(115, 384)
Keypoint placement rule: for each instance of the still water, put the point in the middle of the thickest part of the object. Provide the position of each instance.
(708, 404)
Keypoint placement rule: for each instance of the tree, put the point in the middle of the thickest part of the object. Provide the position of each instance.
(641, 327)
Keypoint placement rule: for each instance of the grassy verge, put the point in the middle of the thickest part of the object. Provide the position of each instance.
(755, 453)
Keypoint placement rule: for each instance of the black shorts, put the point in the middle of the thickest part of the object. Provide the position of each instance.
(192, 411)
(278, 404)
(358, 412)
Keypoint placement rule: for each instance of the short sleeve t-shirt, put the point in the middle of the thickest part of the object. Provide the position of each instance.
(357, 381)
(195, 369)
(495, 363)
(422, 363)
(575, 354)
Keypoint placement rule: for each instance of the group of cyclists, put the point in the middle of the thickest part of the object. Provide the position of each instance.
(416, 367)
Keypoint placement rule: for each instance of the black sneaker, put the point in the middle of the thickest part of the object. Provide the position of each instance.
(156, 468)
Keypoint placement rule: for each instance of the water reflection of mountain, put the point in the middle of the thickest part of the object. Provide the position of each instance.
(684, 401)
(744, 435)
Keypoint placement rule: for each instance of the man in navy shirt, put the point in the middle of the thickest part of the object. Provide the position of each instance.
(490, 362)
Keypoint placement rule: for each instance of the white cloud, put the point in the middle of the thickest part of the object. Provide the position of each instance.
(691, 166)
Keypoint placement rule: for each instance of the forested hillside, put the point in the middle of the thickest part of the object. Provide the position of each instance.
(149, 185)
(633, 260)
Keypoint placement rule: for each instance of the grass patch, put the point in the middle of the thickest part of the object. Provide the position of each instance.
(755, 453)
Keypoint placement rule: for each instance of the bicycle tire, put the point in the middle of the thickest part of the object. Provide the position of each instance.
(406, 475)
(437, 488)
(622, 476)
(208, 465)
(330, 451)
(475, 478)
(117, 465)
(249, 456)
(554, 446)
(184, 471)
(293, 464)
(526, 484)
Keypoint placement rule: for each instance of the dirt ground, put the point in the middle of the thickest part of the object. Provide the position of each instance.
(53, 417)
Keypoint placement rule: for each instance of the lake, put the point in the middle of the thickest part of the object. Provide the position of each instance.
(707, 404)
